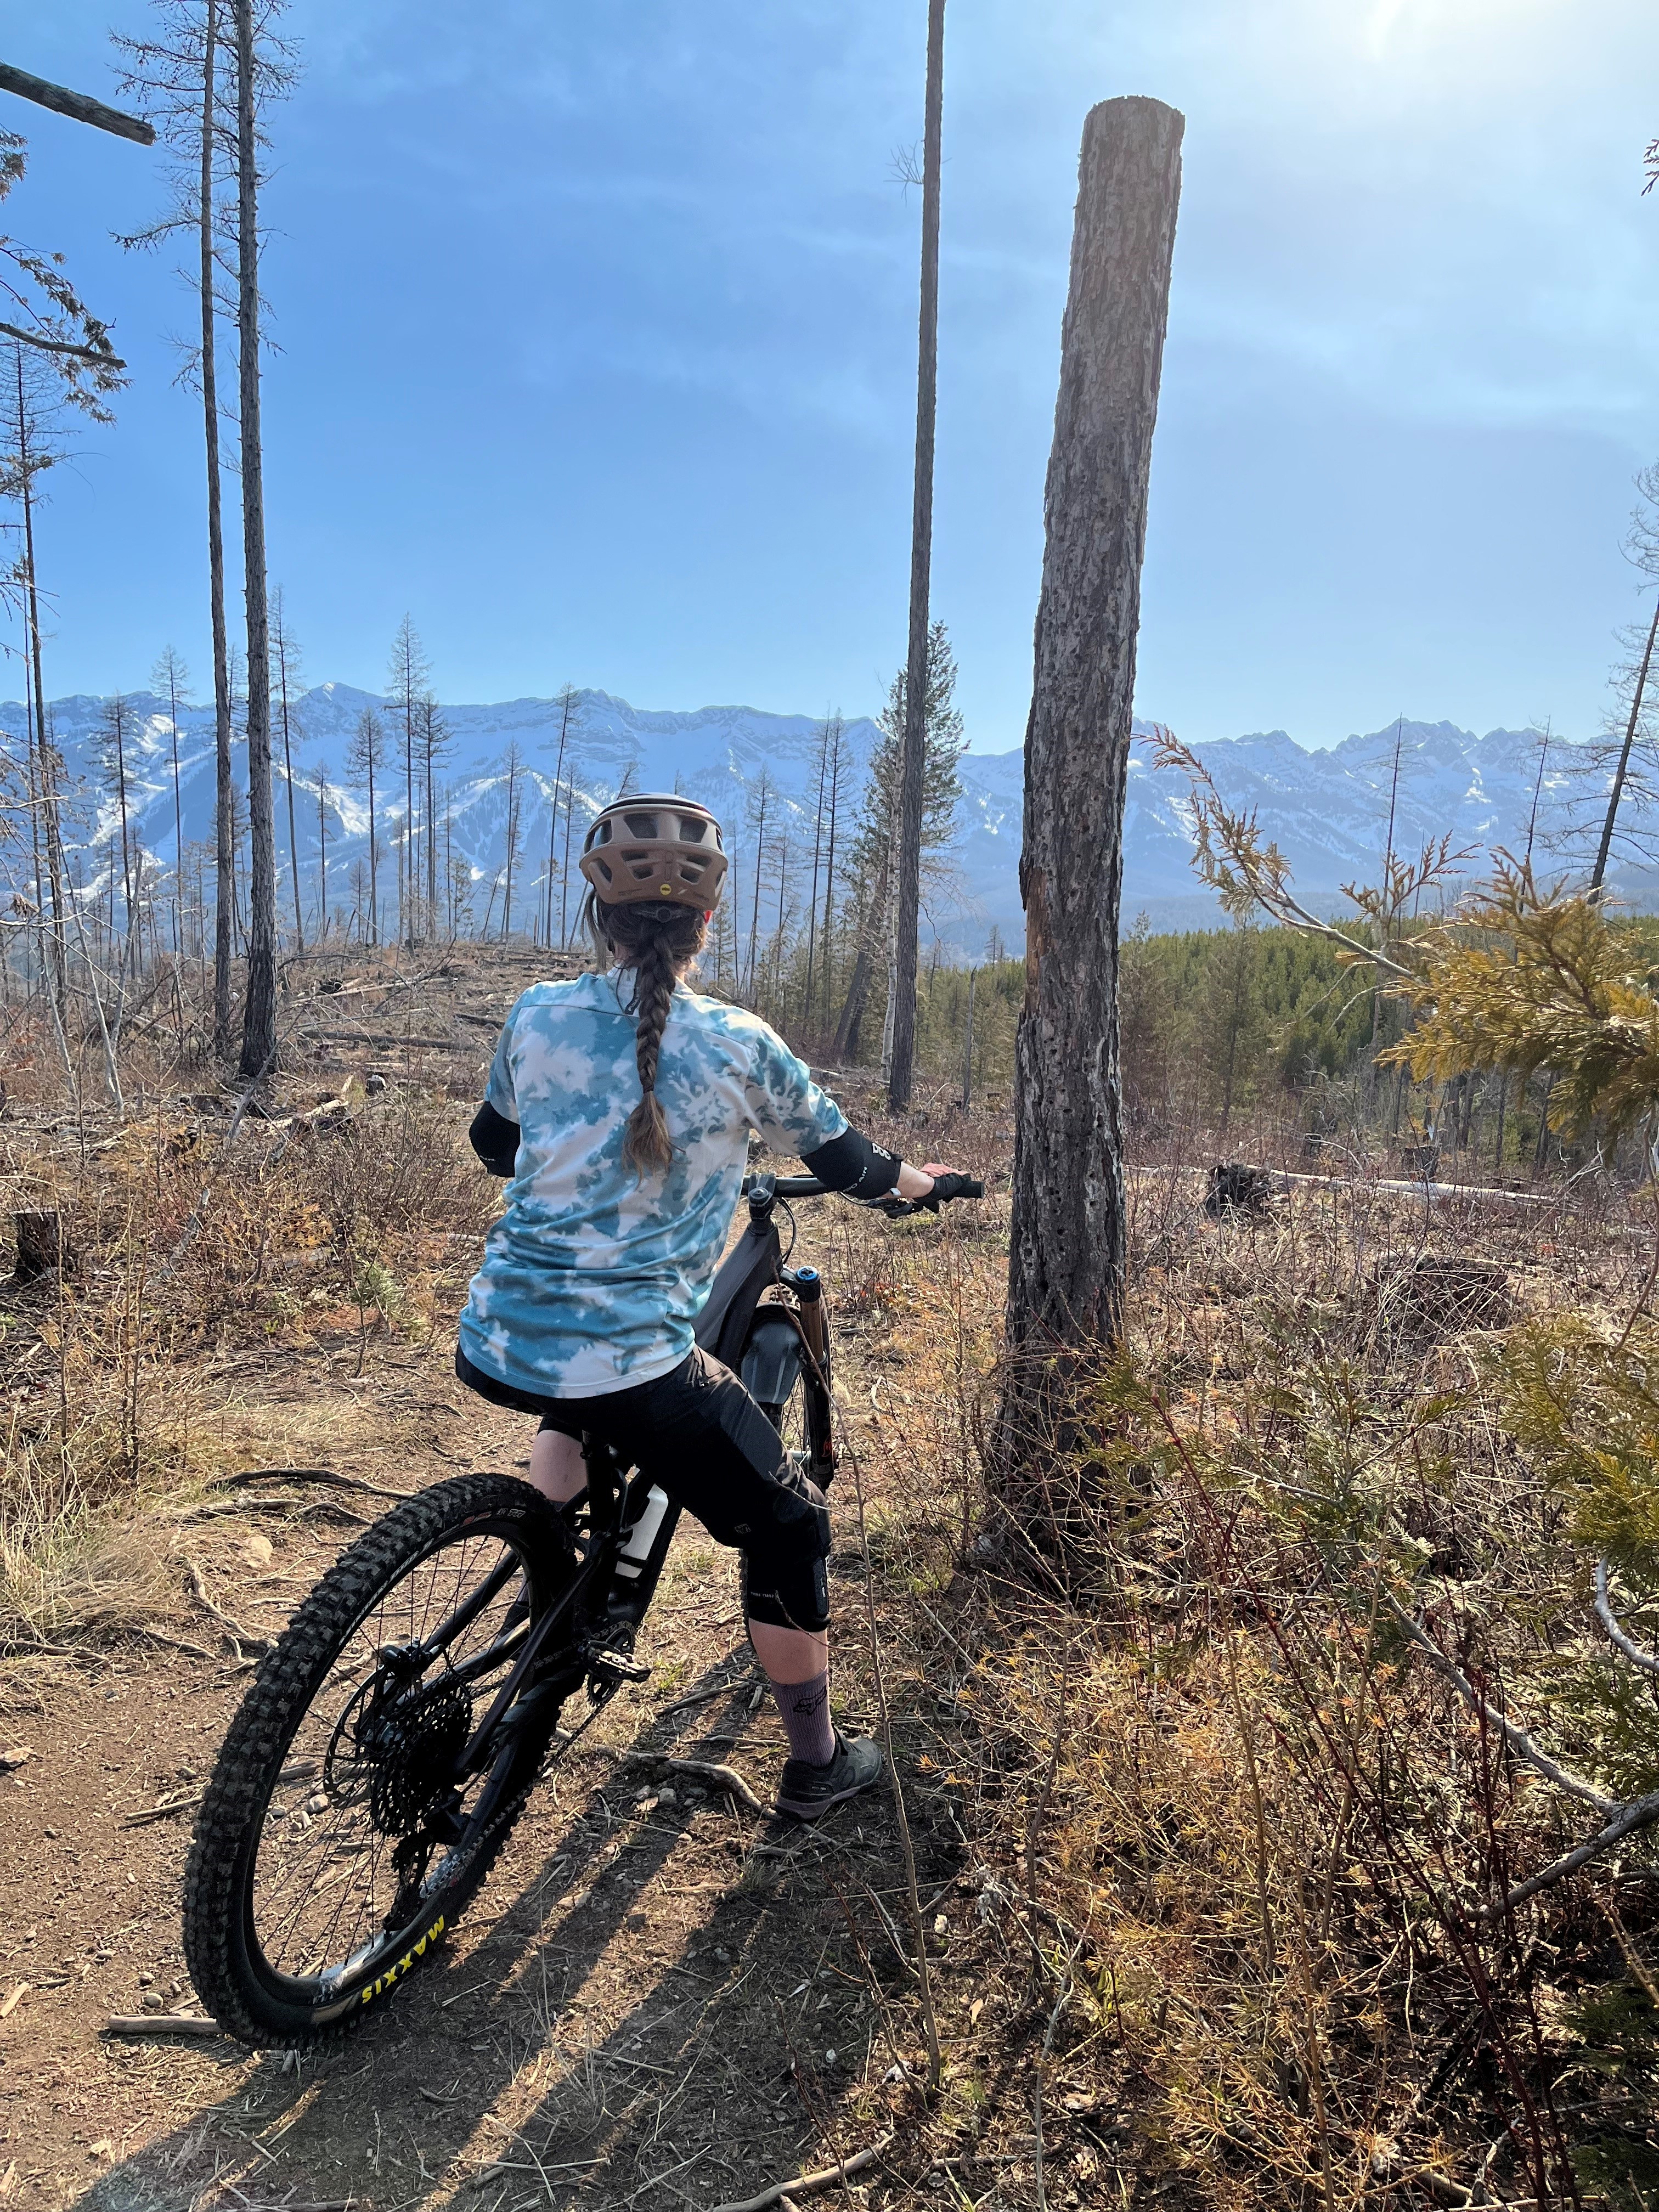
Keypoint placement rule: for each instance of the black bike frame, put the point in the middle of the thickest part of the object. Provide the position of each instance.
(617, 1497)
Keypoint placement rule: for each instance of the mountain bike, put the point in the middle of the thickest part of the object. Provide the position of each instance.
(394, 1733)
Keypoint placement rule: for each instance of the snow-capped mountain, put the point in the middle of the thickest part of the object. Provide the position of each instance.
(1327, 811)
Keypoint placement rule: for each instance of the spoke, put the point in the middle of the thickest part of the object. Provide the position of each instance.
(322, 1892)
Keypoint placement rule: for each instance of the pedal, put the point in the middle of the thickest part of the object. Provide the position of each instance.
(613, 1669)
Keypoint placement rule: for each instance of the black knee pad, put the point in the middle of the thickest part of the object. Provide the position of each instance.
(792, 1594)
(785, 1575)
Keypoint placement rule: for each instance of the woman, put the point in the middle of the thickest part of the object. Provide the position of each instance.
(621, 1104)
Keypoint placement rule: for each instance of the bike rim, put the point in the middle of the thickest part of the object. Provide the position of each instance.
(331, 1902)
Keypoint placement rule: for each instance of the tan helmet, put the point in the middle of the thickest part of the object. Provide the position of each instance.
(654, 848)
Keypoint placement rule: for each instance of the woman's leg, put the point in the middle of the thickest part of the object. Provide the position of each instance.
(556, 1467)
(796, 1662)
(699, 1433)
(789, 1655)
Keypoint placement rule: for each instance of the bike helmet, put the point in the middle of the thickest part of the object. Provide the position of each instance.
(652, 847)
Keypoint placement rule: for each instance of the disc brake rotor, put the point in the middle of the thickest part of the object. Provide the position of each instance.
(397, 1745)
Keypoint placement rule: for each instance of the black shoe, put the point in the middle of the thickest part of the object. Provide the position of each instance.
(809, 1791)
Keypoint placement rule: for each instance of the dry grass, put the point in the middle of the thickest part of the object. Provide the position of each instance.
(203, 1258)
(1242, 1854)
(1222, 1933)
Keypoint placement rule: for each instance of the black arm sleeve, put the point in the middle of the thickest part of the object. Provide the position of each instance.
(853, 1165)
(494, 1139)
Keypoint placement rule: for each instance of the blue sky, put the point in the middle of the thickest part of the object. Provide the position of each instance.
(597, 331)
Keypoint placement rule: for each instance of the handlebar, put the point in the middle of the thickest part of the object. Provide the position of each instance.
(896, 1208)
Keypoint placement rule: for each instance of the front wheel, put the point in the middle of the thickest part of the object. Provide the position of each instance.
(344, 1830)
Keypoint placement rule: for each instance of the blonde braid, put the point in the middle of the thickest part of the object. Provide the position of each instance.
(647, 1144)
(659, 944)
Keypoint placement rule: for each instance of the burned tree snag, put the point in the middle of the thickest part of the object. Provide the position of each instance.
(1066, 1265)
(40, 1256)
(77, 105)
(259, 1011)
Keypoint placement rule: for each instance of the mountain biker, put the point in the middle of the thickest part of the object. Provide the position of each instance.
(620, 1103)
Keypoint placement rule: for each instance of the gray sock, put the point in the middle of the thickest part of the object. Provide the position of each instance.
(805, 1707)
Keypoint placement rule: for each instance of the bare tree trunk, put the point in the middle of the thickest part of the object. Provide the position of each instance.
(968, 1048)
(1067, 1256)
(177, 831)
(260, 1018)
(287, 772)
(223, 797)
(754, 914)
(553, 817)
(322, 855)
(1618, 790)
(830, 879)
(812, 896)
(901, 1015)
(564, 872)
(45, 751)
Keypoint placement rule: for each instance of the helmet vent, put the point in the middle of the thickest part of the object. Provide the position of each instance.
(656, 848)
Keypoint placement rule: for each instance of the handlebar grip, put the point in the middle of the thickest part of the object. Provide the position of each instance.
(947, 1187)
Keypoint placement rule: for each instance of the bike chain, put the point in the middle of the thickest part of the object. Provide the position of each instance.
(559, 1750)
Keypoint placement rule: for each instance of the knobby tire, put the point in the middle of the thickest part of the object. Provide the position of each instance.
(248, 1997)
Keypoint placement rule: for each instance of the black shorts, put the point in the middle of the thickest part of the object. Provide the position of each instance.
(698, 1433)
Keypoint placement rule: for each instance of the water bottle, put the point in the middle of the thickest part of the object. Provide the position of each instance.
(636, 1547)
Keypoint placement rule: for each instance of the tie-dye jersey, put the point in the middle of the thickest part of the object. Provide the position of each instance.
(594, 1276)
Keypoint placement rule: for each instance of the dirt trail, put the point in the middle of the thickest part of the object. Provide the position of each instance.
(659, 2003)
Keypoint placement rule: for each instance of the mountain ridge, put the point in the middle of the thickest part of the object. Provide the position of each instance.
(1331, 810)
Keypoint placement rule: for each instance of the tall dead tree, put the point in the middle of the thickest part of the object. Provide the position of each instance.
(259, 1010)
(224, 793)
(408, 672)
(1067, 1257)
(29, 458)
(909, 870)
(178, 76)
(1616, 793)
(285, 660)
(60, 326)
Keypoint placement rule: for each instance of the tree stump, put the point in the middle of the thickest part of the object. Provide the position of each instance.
(1235, 1187)
(1067, 1257)
(39, 1245)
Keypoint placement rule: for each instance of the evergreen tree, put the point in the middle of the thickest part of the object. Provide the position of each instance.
(1230, 1029)
(874, 854)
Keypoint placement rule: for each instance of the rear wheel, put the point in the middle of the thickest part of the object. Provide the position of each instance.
(338, 1839)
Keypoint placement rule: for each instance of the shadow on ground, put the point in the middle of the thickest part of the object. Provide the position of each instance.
(675, 2002)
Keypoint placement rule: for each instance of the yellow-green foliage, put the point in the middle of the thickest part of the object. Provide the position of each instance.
(1521, 982)
(1585, 1406)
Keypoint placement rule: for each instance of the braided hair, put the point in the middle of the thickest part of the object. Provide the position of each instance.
(659, 942)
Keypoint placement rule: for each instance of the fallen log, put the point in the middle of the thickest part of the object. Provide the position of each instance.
(1393, 1186)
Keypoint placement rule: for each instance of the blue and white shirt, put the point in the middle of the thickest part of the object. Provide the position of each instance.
(594, 1276)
